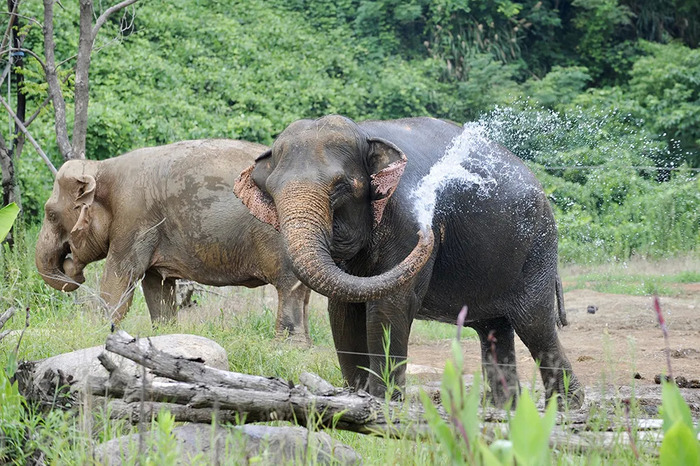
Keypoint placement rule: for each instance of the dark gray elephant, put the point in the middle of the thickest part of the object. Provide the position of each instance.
(161, 214)
(332, 187)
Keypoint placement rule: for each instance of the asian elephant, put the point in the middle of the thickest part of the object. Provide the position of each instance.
(161, 214)
(331, 186)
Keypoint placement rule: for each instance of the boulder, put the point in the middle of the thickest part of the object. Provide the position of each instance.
(42, 380)
(201, 444)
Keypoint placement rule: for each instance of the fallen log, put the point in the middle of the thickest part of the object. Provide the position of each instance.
(196, 389)
(7, 315)
(197, 393)
(181, 369)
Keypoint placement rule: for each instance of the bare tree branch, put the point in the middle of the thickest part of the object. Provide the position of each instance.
(27, 51)
(24, 130)
(31, 19)
(6, 315)
(10, 23)
(55, 92)
(66, 60)
(36, 113)
(107, 13)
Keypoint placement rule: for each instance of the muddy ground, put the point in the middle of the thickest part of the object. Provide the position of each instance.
(608, 348)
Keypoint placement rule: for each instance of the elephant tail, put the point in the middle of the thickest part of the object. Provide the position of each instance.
(561, 312)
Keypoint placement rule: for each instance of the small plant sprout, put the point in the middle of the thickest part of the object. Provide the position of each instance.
(393, 390)
(459, 437)
(662, 324)
(567, 387)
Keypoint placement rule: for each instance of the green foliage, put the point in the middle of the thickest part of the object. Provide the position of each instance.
(665, 89)
(610, 207)
(581, 89)
(460, 437)
(680, 444)
(8, 214)
(559, 87)
(164, 445)
(386, 376)
(599, 21)
(530, 433)
(12, 406)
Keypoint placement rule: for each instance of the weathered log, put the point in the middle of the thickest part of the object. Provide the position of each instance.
(355, 411)
(198, 393)
(186, 370)
(7, 315)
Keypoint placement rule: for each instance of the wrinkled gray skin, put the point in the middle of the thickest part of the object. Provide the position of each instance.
(161, 214)
(496, 253)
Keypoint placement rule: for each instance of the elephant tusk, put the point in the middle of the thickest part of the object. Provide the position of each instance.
(296, 285)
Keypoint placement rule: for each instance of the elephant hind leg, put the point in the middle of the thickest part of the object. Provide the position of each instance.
(160, 297)
(498, 359)
(540, 337)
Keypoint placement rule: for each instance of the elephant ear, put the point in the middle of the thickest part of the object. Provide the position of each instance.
(259, 203)
(83, 190)
(386, 164)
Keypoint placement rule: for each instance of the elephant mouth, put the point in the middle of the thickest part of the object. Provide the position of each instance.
(70, 269)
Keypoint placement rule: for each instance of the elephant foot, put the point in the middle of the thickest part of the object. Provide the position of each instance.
(295, 339)
(574, 400)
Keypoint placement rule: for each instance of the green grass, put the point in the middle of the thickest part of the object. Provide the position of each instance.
(635, 277)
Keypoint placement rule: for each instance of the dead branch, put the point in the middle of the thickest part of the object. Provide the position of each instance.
(193, 392)
(10, 23)
(197, 393)
(185, 370)
(25, 131)
(256, 398)
(7, 315)
(109, 12)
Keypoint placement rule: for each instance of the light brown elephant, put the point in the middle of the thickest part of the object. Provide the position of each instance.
(164, 213)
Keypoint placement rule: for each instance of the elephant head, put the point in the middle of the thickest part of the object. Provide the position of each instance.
(75, 228)
(325, 185)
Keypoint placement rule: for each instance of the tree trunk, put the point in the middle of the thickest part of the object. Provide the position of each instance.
(10, 188)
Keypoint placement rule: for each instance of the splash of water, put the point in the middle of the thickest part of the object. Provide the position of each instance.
(450, 169)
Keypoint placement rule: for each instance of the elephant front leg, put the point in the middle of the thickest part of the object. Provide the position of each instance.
(348, 325)
(498, 359)
(159, 293)
(390, 319)
(116, 292)
(292, 312)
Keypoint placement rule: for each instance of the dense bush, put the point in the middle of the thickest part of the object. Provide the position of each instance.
(577, 86)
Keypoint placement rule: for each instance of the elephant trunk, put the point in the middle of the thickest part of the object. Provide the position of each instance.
(306, 225)
(55, 267)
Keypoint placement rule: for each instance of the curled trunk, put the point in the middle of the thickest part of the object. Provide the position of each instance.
(306, 224)
(55, 267)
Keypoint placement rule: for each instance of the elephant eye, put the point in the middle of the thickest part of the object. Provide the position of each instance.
(51, 215)
(341, 192)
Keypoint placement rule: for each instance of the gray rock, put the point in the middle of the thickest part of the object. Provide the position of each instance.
(75, 367)
(261, 444)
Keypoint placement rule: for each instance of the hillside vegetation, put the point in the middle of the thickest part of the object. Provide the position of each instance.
(587, 93)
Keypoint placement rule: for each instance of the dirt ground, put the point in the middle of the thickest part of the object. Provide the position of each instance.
(622, 338)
